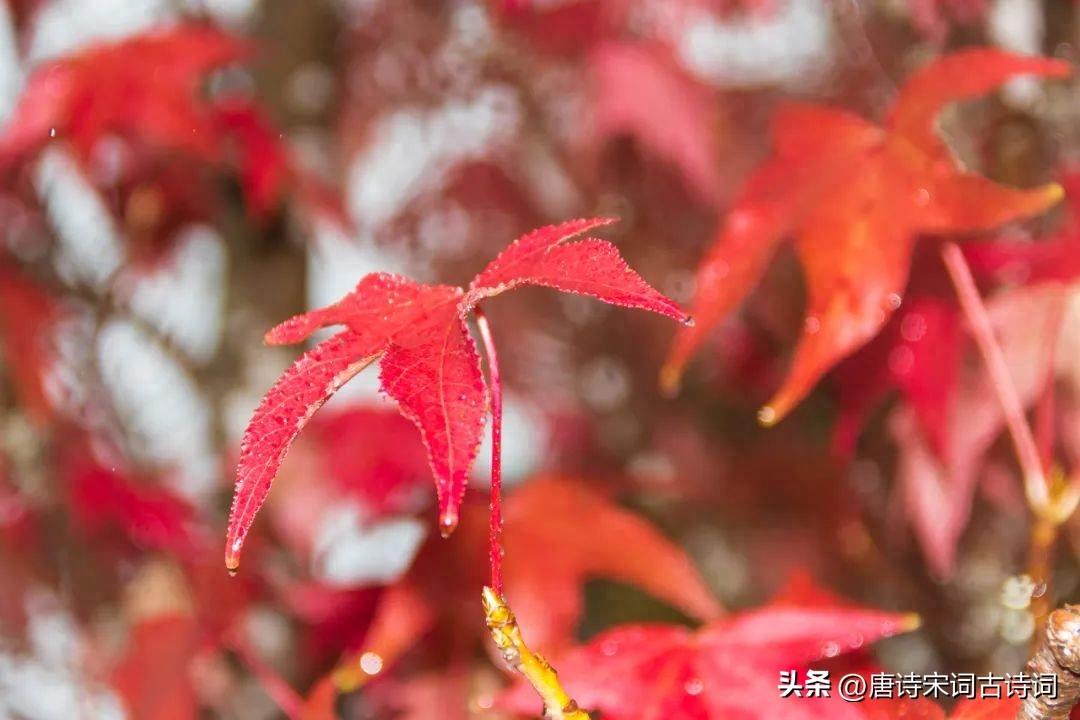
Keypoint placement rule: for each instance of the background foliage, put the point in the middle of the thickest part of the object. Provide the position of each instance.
(179, 176)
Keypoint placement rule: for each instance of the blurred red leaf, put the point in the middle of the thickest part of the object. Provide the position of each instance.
(630, 82)
(374, 454)
(855, 196)
(142, 125)
(919, 353)
(727, 669)
(921, 348)
(153, 678)
(937, 490)
(429, 361)
(337, 618)
(150, 516)
(145, 87)
(549, 557)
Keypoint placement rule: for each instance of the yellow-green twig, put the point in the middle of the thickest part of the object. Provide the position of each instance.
(502, 624)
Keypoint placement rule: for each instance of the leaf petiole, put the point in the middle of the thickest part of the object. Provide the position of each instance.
(495, 546)
(1036, 484)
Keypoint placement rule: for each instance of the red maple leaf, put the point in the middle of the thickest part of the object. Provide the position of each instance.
(107, 89)
(855, 196)
(145, 131)
(549, 557)
(429, 362)
(727, 669)
(920, 350)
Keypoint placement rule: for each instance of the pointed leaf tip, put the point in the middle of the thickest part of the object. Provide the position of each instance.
(232, 563)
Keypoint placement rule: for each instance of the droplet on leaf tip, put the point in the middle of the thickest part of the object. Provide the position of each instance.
(688, 321)
(232, 559)
(448, 523)
(767, 416)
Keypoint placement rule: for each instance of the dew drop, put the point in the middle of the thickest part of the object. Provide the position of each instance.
(922, 197)
(830, 649)
(609, 647)
(766, 415)
(689, 321)
(893, 301)
(811, 325)
(694, 686)
(447, 524)
(52, 132)
(371, 663)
